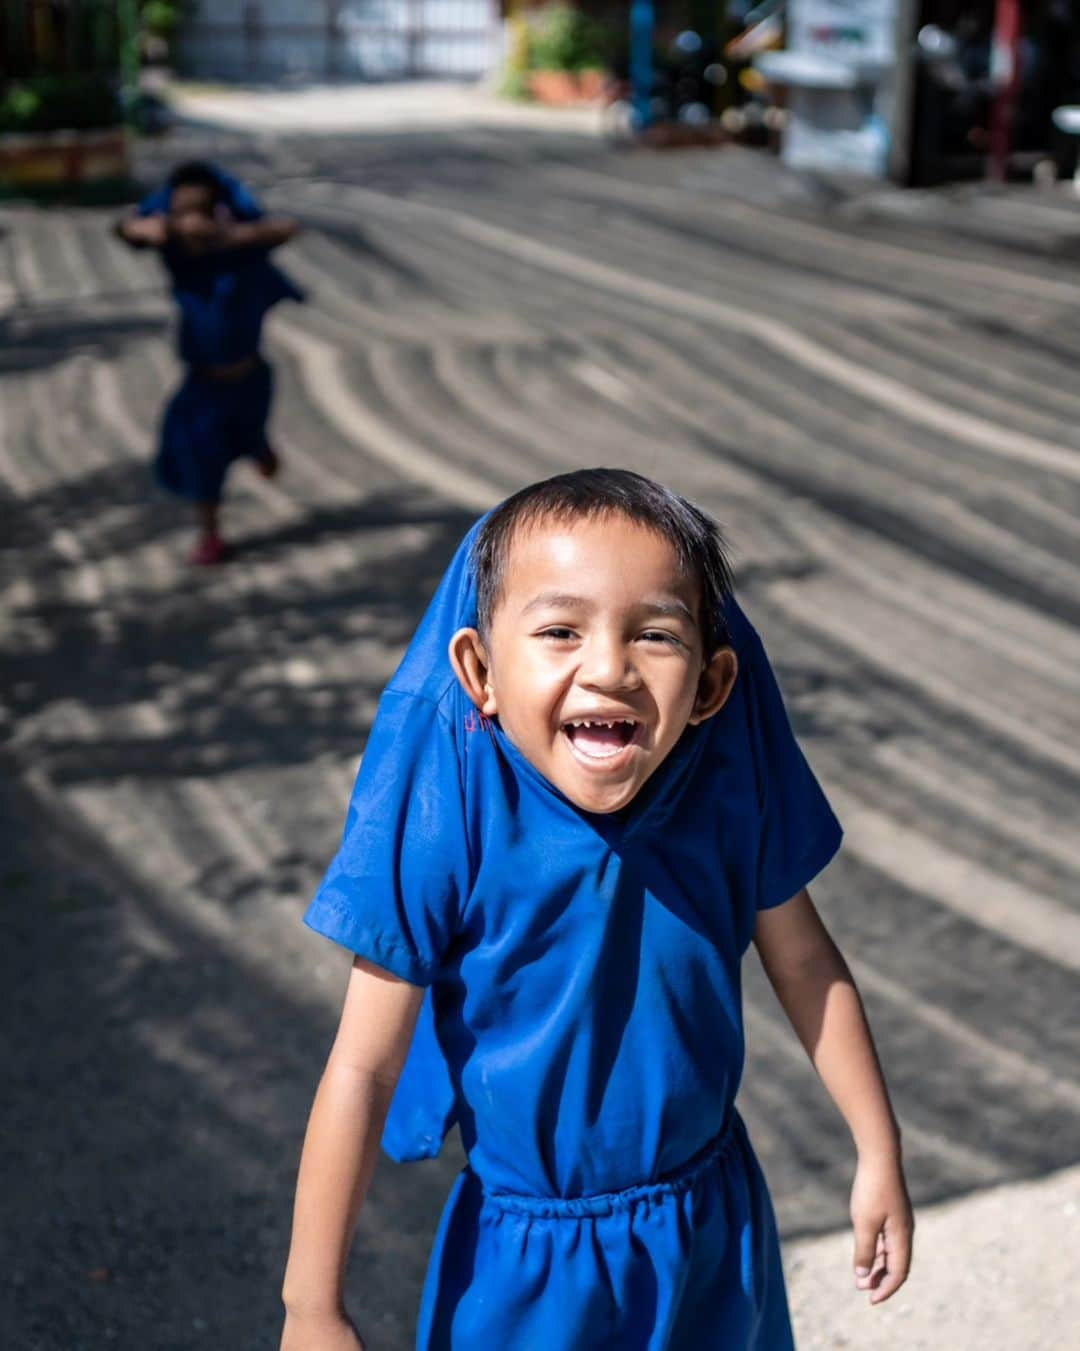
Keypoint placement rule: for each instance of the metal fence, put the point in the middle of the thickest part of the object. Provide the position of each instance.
(58, 37)
(305, 40)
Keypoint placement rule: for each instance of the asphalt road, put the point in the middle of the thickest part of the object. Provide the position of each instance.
(885, 419)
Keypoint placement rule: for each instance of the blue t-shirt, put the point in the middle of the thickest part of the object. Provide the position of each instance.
(584, 1022)
(223, 296)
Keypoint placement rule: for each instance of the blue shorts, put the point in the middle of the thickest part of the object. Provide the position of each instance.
(689, 1263)
(207, 425)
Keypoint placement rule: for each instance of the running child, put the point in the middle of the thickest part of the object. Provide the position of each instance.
(580, 802)
(214, 240)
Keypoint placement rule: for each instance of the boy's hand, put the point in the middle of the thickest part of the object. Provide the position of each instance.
(883, 1223)
(198, 233)
(233, 233)
(265, 233)
(320, 1332)
(144, 232)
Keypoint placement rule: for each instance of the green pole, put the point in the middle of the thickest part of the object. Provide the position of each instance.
(127, 19)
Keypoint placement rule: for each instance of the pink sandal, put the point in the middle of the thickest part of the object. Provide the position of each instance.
(209, 552)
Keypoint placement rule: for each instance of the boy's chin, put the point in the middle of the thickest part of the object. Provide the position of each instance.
(601, 800)
(591, 791)
(600, 789)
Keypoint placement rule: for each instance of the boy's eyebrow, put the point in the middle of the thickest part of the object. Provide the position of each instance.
(671, 606)
(557, 600)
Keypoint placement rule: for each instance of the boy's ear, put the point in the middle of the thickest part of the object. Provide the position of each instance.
(470, 661)
(716, 683)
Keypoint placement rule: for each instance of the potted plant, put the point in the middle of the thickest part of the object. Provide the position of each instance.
(568, 56)
(159, 21)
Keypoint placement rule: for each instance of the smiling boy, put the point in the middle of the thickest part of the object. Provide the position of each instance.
(577, 885)
(560, 617)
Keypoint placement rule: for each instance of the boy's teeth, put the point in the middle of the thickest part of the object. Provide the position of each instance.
(598, 738)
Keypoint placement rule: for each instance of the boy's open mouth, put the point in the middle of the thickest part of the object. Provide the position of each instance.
(602, 738)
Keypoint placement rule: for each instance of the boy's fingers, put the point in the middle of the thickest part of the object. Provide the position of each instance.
(898, 1246)
(866, 1241)
(891, 1282)
(881, 1263)
(898, 1253)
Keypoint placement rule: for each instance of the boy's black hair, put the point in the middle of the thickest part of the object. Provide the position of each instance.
(586, 494)
(197, 173)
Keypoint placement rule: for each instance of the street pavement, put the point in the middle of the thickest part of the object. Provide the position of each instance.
(884, 416)
(419, 105)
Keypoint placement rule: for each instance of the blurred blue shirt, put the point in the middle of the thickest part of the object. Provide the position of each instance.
(223, 297)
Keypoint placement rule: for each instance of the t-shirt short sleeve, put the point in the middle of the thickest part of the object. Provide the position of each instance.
(154, 203)
(395, 889)
(240, 200)
(798, 832)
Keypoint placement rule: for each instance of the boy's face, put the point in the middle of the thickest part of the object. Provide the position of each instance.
(596, 624)
(191, 216)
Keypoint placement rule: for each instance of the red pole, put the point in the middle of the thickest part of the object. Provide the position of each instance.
(1005, 70)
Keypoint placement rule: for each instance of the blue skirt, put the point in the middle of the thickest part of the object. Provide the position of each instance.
(207, 425)
(689, 1263)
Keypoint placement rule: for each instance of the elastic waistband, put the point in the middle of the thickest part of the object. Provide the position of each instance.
(607, 1203)
(232, 372)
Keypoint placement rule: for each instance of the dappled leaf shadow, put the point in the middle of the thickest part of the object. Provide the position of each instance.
(37, 341)
(159, 1081)
(229, 703)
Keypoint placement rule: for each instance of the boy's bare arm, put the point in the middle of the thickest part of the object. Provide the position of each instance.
(341, 1150)
(154, 231)
(819, 996)
(268, 232)
(142, 232)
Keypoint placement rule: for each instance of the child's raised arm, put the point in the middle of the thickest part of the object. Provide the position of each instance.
(818, 994)
(223, 232)
(142, 232)
(267, 232)
(340, 1153)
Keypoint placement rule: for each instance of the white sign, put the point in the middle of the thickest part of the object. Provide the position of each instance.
(852, 30)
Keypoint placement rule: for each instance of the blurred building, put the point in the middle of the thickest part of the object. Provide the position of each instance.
(925, 90)
(309, 40)
(981, 81)
(837, 73)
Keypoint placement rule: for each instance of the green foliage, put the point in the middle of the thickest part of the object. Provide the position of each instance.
(563, 38)
(515, 85)
(161, 17)
(59, 103)
(515, 78)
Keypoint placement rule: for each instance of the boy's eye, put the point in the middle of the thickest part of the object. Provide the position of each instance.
(661, 636)
(559, 634)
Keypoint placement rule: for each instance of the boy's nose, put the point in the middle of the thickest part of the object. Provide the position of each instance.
(606, 665)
